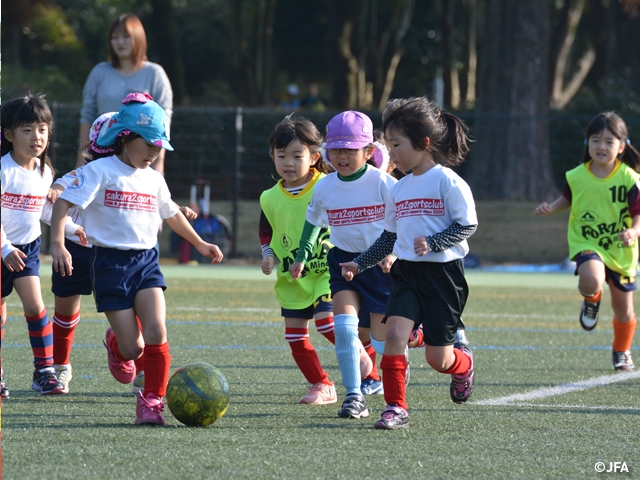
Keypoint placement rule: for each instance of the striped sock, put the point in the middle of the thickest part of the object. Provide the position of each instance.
(158, 363)
(348, 351)
(325, 327)
(41, 339)
(305, 355)
(63, 333)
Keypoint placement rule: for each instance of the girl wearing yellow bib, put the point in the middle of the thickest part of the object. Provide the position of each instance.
(604, 225)
(295, 149)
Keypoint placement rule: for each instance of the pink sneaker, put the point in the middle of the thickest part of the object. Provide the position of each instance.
(320, 394)
(149, 410)
(366, 366)
(124, 372)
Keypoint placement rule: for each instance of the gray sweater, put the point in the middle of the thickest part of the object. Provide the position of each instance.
(106, 87)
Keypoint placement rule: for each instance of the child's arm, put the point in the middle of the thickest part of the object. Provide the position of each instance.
(179, 224)
(309, 236)
(451, 236)
(11, 256)
(60, 255)
(265, 233)
(558, 205)
(377, 252)
(188, 213)
(629, 235)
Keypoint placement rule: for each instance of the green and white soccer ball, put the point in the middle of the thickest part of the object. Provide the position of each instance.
(198, 394)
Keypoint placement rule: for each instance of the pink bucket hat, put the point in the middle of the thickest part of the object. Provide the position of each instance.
(352, 130)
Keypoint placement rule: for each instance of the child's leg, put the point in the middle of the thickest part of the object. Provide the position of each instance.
(38, 323)
(592, 274)
(364, 334)
(305, 356)
(4, 391)
(394, 362)
(346, 305)
(149, 305)
(624, 326)
(65, 320)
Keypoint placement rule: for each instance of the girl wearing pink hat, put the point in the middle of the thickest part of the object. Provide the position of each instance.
(351, 202)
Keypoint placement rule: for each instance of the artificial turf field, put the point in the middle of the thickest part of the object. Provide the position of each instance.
(547, 402)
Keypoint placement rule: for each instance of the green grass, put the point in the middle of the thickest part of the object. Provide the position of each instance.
(525, 335)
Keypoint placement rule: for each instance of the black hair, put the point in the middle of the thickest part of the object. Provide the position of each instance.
(296, 127)
(417, 118)
(616, 125)
(27, 109)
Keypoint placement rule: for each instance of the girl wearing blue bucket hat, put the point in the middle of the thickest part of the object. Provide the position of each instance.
(123, 203)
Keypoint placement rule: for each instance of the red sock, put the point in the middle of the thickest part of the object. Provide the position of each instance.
(113, 345)
(157, 361)
(64, 327)
(595, 298)
(623, 334)
(305, 355)
(461, 364)
(139, 362)
(394, 368)
(325, 327)
(372, 354)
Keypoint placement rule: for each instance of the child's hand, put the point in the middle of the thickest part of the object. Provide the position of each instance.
(14, 262)
(296, 269)
(385, 264)
(83, 236)
(543, 209)
(628, 236)
(188, 213)
(349, 269)
(267, 264)
(211, 251)
(420, 246)
(53, 194)
(61, 259)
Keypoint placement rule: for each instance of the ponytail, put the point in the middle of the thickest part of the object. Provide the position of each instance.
(455, 140)
(631, 156)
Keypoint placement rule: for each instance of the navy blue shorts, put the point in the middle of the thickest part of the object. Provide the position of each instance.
(621, 282)
(433, 294)
(31, 266)
(118, 275)
(373, 285)
(322, 304)
(79, 283)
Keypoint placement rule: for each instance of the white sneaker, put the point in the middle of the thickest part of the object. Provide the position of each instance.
(64, 373)
(138, 383)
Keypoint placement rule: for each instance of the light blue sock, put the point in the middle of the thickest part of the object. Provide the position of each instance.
(347, 351)
(377, 345)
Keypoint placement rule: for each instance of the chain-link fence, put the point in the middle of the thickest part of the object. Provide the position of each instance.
(227, 148)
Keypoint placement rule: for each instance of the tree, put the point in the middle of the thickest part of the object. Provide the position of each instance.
(368, 50)
(513, 102)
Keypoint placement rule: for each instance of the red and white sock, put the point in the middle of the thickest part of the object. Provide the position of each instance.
(305, 355)
(64, 327)
(375, 375)
(325, 327)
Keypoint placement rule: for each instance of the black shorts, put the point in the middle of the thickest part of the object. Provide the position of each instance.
(431, 294)
(79, 282)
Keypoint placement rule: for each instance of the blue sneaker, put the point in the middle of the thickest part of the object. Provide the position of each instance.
(371, 387)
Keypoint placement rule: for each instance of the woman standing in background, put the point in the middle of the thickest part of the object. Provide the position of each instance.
(127, 70)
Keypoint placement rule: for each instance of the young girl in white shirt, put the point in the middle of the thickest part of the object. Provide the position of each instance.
(123, 203)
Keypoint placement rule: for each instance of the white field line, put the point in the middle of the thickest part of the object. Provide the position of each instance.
(560, 389)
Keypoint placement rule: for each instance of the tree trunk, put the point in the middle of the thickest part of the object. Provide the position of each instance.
(168, 48)
(511, 158)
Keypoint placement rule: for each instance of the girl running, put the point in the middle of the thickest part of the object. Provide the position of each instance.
(295, 148)
(123, 203)
(603, 227)
(351, 202)
(27, 174)
(429, 215)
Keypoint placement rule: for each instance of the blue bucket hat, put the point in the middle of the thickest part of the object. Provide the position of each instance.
(138, 114)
